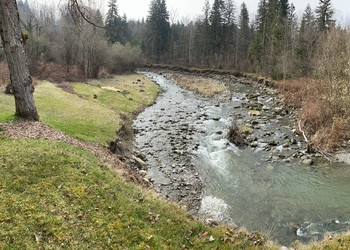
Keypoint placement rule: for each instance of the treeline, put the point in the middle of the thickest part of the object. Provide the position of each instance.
(66, 46)
(274, 44)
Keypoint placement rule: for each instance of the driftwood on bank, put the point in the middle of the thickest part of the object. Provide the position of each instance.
(312, 149)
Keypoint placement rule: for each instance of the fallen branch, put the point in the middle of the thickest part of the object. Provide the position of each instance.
(303, 132)
(311, 148)
(327, 156)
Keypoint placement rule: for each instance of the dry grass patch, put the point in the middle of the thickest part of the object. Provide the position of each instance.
(326, 127)
(204, 86)
(330, 242)
(298, 91)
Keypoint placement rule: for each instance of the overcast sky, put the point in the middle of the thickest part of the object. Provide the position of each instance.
(191, 9)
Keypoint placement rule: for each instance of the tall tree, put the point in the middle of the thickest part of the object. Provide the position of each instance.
(244, 37)
(116, 26)
(230, 34)
(324, 15)
(217, 26)
(286, 59)
(201, 40)
(13, 43)
(306, 43)
(258, 47)
(158, 30)
(275, 24)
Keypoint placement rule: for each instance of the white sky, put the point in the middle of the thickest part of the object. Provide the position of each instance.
(191, 9)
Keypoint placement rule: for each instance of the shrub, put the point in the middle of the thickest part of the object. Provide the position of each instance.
(235, 136)
(325, 100)
(125, 58)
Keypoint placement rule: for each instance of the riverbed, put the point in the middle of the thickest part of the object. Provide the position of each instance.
(272, 185)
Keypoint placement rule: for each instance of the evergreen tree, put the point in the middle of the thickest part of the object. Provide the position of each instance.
(284, 8)
(201, 39)
(324, 15)
(306, 43)
(158, 30)
(116, 26)
(257, 49)
(217, 26)
(288, 42)
(244, 36)
(275, 28)
(69, 34)
(230, 49)
(308, 20)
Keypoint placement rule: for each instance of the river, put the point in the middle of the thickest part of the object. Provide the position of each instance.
(271, 185)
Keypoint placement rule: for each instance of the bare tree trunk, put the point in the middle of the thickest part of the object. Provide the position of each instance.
(11, 35)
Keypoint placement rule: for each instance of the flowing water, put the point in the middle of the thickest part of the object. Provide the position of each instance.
(183, 138)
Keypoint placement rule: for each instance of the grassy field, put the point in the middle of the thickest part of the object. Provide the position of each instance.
(58, 196)
(124, 93)
(75, 116)
(83, 116)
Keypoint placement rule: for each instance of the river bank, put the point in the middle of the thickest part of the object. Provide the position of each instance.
(182, 138)
(58, 183)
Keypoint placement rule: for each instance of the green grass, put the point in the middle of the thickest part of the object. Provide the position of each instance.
(69, 113)
(86, 118)
(75, 116)
(64, 196)
(7, 107)
(109, 92)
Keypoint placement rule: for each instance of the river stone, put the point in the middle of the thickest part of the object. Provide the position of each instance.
(254, 122)
(307, 162)
(141, 163)
(254, 112)
(246, 129)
